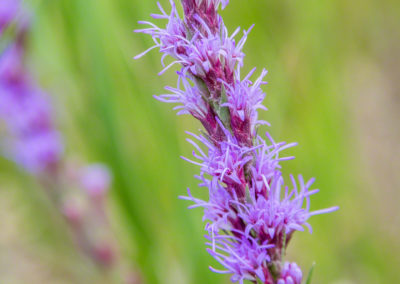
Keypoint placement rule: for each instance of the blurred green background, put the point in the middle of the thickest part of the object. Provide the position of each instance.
(334, 87)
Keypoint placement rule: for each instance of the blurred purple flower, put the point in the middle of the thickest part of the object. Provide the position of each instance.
(34, 142)
(244, 99)
(39, 152)
(8, 11)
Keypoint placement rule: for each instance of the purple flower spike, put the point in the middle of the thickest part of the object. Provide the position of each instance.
(39, 152)
(33, 142)
(252, 213)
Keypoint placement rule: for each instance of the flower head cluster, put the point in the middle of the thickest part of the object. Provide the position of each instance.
(34, 141)
(206, 53)
(252, 212)
(204, 13)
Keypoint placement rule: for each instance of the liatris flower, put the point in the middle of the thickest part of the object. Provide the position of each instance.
(252, 213)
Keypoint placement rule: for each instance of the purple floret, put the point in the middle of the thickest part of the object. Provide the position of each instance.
(242, 256)
(291, 274)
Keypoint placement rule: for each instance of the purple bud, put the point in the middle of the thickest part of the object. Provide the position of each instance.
(72, 213)
(95, 179)
(104, 254)
(202, 14)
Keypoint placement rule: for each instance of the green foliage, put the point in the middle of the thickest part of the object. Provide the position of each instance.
(310, 273)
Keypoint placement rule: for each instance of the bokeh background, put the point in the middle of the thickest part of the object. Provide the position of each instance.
(334, 87)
